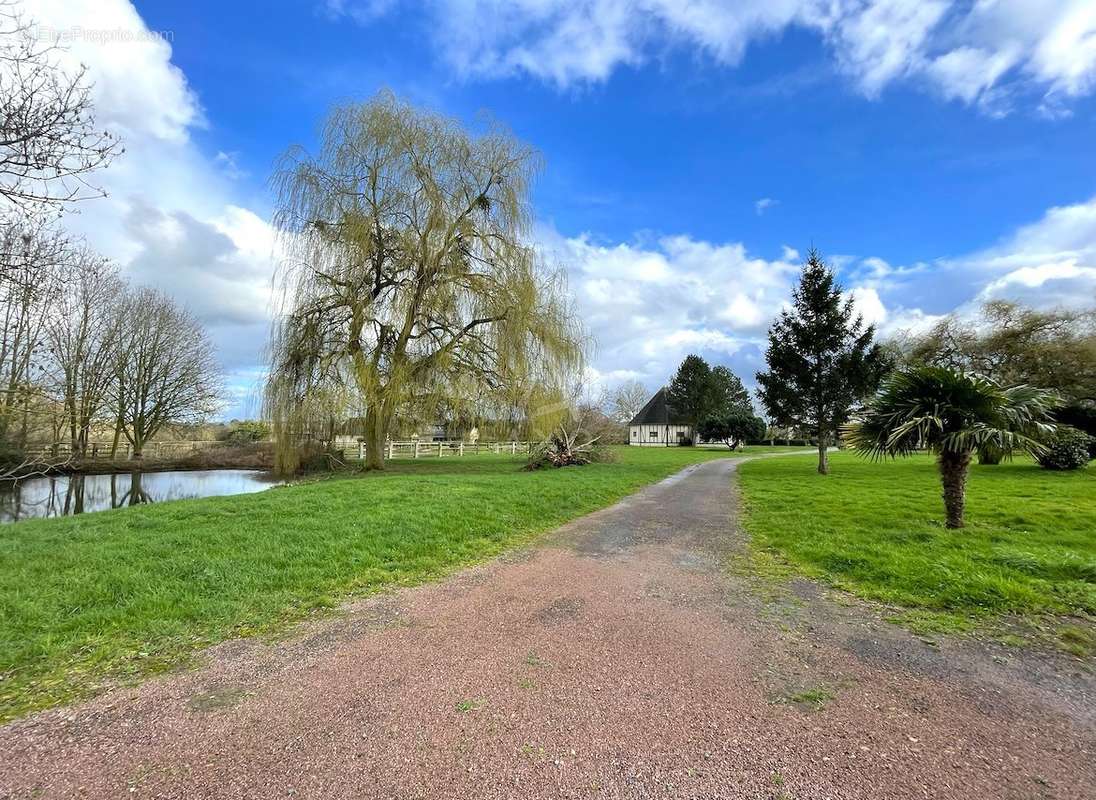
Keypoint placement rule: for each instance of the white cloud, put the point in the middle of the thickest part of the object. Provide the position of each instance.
(137, 90)
(649, 305)
(1048, 263)
(362, 10)
(764, 204)
(975, 52)
(1051, 262)
(967, 72)
(877, 42)
(1065, 55)
(228, 165)
(217, 268)
(171, 219)
(867, 303)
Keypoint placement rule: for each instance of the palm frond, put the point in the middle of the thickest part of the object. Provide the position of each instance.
(941, 409)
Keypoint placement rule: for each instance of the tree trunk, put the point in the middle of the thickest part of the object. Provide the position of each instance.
(117, 438)
(954, 468)
(376, 430)
(823, 454)
(74, 433)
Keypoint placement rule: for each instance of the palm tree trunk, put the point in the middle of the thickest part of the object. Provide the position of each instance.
(954, 467)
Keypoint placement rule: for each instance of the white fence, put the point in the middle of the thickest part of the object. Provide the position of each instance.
(444, 449)
(350, 451)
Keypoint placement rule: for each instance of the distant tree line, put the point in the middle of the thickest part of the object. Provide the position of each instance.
(80, 349)
(1015, 345)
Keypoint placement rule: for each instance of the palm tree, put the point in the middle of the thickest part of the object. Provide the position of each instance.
(952, 414)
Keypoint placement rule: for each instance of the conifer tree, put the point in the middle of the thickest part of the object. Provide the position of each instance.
(728, 393)
(690, 391)
(822, 359)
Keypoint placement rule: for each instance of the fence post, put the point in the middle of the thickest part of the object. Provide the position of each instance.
(513, 448)
(416, 448)
(391, 445)
(439, 448)
(361, 451)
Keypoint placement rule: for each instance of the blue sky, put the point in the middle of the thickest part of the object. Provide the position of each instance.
(940, 153)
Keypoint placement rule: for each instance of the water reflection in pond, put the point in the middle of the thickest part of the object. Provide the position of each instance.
(64, 495)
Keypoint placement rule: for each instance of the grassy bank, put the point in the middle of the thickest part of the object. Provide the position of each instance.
(120, 594)
(257, 455)
(876, 529)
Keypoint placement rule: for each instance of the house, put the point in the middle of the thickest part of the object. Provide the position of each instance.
(658, 424)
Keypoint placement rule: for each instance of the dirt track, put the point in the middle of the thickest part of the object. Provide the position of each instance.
(615, 659)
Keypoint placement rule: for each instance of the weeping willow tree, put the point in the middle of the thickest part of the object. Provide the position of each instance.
(409, 283)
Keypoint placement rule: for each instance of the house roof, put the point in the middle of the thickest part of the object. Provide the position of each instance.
(658, 411)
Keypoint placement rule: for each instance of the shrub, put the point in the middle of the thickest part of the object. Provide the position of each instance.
(685, 441)
(1067, 448)
(734, 428)
(1082, 417)
(246, 432)
(253, 455)
(990, 455)
(10, 455)
(314, 458)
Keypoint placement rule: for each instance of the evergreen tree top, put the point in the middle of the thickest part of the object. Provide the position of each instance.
(821, 356)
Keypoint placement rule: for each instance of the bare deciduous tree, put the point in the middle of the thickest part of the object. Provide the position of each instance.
(410, 280)
(82, 334)
(165, 369)
(33, 255)
(626, 400)
(49, 141)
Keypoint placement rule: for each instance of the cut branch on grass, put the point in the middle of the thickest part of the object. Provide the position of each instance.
(564, 448)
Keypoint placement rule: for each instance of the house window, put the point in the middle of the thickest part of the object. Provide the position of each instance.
(681, 434)
(635, 433)
(654, 434)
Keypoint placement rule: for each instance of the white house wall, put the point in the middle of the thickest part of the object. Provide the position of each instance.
(658, 435)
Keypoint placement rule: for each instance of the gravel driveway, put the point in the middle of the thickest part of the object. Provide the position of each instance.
(617, 658)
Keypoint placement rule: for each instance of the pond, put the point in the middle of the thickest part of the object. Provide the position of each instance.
(64, 495)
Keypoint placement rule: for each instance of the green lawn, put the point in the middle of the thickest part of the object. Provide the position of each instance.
(120, 594)
(876, 529)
